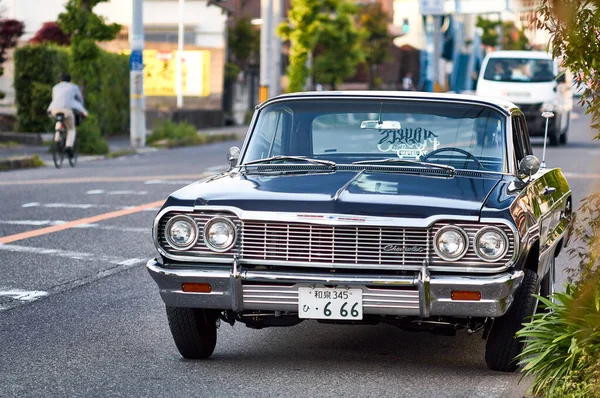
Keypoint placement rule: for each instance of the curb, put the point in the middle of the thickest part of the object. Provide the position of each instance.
(20, 162)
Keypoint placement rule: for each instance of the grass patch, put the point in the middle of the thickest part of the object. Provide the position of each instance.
(20, 162)
(122, 152)
(198, 139)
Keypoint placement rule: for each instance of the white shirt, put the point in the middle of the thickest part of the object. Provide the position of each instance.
(67, 95)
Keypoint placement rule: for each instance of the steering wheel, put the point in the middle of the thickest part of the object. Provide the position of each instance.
(452, 149)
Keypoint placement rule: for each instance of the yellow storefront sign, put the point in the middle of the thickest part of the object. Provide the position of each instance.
(159, 73)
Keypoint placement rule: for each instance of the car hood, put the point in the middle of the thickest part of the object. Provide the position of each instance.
(349, 192)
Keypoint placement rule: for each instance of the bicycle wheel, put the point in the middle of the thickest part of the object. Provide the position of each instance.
(58, 150)
(74, 153)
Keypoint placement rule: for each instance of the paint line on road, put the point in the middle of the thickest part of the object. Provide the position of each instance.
(59, 181)
(95, 192)
(72, 255)
(81, 221)
(581, 176)
(31, 204)
(168, 182)
(127, 193)
(39, 223)
(23, 295)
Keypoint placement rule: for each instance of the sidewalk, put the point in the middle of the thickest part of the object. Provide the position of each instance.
(116, 144)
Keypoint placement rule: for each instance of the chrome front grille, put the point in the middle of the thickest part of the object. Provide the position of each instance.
(384, 247)
(304, 244)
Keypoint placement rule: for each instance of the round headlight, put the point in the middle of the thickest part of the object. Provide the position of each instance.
(181, 232)
(491, 244)
(219, 234)
(451, 243)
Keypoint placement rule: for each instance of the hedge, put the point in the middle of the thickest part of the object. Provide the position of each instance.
(37, 69)
(106, 91)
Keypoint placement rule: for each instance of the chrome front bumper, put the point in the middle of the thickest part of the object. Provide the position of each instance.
(423, 295)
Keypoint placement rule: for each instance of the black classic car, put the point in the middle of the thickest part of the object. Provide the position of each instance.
(424, 211)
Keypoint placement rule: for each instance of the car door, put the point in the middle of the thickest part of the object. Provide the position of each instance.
(542, 192)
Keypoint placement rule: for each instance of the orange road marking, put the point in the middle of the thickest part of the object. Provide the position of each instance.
(107, 179)
(71, 224)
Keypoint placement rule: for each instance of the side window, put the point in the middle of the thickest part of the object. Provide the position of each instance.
(267, 136)
(525, 136)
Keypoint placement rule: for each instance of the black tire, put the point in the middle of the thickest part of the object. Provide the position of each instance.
(74, 154)
(58, 151)
(547, 284)
(502, 347)
(194, 331)
(564, 136)
(553, 132)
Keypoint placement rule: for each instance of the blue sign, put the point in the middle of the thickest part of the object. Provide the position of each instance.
(136, 60)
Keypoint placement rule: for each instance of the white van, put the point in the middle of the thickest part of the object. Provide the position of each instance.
(529, 80)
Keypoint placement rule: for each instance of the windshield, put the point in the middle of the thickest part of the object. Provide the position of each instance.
(345, 131)
(519, 70)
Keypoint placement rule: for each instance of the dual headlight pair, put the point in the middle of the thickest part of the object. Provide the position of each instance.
(451, 243)
(182, 233)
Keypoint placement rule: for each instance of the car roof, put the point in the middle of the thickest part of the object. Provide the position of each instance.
(503, 105)
(520, 54)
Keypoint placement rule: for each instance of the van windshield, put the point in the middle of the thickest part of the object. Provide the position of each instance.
(519, 70)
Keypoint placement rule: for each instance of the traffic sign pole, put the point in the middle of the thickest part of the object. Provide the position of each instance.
(137, 103)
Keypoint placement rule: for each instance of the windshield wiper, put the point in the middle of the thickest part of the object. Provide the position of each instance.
(285, 157)
(398, 160)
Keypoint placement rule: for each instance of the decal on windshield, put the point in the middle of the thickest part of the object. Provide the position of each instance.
(408, 142)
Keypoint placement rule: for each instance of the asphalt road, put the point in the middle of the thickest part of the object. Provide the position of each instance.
(80, 316)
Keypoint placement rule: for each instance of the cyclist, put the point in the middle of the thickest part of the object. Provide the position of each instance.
(67, 99)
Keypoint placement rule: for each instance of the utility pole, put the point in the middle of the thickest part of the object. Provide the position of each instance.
(137, 105)
(437, 52)
(178, 63)
(266, 49)
(276, 48)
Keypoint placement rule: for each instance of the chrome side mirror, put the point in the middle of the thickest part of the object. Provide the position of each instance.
(528, 166)
(233, 155)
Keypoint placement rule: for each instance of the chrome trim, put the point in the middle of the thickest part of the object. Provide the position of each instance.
(476, 247)
(207, 227)
(465, 238)
(424, 286)
(167, 233)
(400, 295)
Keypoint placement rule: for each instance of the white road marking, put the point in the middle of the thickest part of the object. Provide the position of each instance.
(168, 182)
(37, 223)
(23, 295)
(216, 168)
(152, 209)
(127, 193)
(70, 254)
(31, 204)
(95, 192)
(70, 205)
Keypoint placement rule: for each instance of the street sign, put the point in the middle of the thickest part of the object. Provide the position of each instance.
(431, 7)
(136, 60)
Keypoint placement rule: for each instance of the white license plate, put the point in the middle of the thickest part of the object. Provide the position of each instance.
(326, 303)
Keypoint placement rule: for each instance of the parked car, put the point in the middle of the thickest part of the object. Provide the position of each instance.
(425, 211)
(532, 80)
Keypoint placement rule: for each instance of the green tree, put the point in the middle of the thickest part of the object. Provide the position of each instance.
(85, 28)
(325, 29)
(513, 38)
(373, 22)
(244, 44)
(574, 27)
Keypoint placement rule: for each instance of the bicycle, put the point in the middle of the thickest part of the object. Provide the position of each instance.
(58, 147)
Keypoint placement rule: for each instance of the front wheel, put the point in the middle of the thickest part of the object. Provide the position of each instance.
(194, 331)
(502, 347)
(58, 150)
(75, 152)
